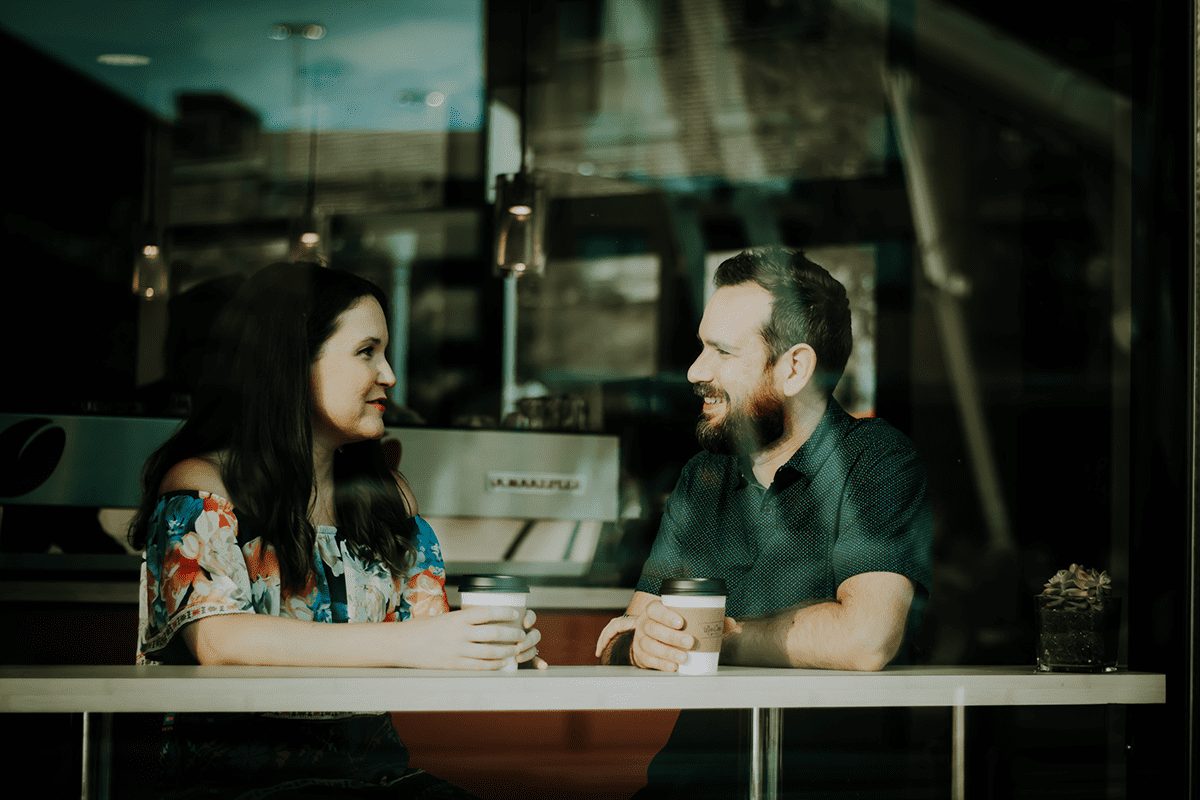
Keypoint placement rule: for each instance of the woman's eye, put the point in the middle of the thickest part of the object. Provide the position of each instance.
(367, 351)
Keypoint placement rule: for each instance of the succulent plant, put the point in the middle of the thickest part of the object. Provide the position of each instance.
(1077, 588)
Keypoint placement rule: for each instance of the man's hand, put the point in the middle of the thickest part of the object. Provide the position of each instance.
(658, 639)
(612, 646)
(612, 633)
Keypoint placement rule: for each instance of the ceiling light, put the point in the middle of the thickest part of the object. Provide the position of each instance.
(285, 30)
(123, 59)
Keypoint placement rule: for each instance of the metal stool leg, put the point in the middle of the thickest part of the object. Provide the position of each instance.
(766, 733)
(85, 767)
(95, 758)
(958, 755)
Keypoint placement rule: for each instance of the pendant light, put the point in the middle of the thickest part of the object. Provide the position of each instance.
(520, 212)
(151, 281)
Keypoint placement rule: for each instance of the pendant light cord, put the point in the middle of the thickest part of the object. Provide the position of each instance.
(149, 190)
(524, 78)
(311, 199)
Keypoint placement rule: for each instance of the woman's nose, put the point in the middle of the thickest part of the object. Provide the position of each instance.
(386, 376)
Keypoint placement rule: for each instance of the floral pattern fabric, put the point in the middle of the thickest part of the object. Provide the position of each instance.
(198, 563)
(201, 560)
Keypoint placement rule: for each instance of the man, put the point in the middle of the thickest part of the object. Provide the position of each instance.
(818, 522)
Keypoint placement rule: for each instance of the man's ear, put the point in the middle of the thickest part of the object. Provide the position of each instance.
(797, 367)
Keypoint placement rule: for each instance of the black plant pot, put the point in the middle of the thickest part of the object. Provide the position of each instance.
(1078, 639)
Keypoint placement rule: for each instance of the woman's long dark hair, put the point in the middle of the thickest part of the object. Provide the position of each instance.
(255, 406)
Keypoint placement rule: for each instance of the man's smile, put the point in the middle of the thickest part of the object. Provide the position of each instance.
(712, 398)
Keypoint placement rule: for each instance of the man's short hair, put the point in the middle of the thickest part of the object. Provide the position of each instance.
(809, 307)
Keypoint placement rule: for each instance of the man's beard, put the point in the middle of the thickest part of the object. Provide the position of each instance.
(749, 428)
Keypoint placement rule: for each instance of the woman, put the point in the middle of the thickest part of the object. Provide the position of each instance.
(272, 512)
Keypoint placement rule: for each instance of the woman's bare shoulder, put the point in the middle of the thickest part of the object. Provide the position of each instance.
(201, 473)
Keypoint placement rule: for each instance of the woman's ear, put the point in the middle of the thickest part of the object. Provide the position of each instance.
(798, 365)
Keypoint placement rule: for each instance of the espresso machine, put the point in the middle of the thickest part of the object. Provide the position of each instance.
(523, 502)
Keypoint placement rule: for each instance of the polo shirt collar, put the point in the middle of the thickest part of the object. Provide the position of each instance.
(805, 462)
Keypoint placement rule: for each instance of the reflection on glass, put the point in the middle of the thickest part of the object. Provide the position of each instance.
(591, 319)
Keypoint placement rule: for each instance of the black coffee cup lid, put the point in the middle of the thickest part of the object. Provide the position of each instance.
(693, 586)
(492, 583)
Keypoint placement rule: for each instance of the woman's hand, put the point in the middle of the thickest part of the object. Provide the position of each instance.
(479, 637)
(529, 652)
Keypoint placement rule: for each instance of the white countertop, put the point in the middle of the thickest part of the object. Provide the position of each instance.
(73, 689)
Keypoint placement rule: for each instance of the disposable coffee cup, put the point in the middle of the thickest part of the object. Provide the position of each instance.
(701, 603)
(494, 590)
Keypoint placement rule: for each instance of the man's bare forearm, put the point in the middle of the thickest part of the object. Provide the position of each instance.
(860, 630)
(766, 642)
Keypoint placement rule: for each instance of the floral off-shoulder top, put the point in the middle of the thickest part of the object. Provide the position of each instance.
(199, 562)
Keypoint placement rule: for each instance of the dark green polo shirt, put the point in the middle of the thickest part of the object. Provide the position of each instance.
(852, 499)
